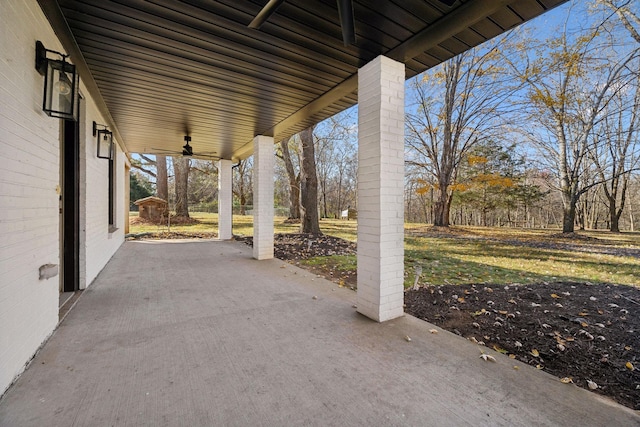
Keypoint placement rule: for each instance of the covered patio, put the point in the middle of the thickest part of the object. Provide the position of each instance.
(199, 333)
(232, 78)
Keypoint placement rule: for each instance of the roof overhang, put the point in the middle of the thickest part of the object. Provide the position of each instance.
(162, 69)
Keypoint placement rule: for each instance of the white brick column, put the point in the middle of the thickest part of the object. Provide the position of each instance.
(225, 200)
(380, 189)
(263, 176)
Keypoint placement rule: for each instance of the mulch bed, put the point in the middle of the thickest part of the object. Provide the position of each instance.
(588, 333)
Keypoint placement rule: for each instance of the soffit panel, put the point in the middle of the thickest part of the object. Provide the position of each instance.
(164, 68)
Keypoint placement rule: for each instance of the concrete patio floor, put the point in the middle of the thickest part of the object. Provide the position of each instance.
(197, 333)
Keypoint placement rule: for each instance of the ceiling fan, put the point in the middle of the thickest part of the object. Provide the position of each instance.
(187, 151)
(345, 13)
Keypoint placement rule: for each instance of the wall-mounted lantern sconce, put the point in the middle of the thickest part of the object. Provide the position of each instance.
(61, 83)
(105, 141)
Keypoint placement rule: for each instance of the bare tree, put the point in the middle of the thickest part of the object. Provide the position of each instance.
(629, 18)
(293, 178)
(615, 152)
(308, 184)
(181, 170)
(568, 88)
(162, 178)
(242, 183)
(457, 105)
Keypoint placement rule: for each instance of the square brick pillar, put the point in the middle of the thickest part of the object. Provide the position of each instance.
(263, 176)
(381, 189)
(225, 200)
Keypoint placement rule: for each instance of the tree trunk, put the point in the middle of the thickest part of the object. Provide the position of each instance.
(568, 214)
(181, 170)
(441, 208)
(162, 186)
(294, 181)
(308, 185)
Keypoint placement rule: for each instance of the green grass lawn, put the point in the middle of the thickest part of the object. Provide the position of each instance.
(468, 260)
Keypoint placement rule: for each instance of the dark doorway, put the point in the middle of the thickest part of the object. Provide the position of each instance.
(70, 206)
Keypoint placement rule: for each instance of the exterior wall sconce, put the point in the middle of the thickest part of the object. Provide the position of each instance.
(105, 141)
(61, 83)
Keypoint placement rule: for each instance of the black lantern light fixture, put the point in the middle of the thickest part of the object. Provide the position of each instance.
(61, 82)
(105, 141)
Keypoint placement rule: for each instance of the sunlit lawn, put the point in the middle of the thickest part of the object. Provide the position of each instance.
(464, 260)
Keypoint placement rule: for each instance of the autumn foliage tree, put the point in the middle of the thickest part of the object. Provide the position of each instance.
(456, 106)
(570, 80)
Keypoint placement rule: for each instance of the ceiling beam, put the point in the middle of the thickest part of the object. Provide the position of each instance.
(265, 13)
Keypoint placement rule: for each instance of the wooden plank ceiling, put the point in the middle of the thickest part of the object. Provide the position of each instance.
(166, 68)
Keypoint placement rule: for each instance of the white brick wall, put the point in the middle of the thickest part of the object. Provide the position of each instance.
(380, 189)
(263, 176)
(225, 200)
(29, 177)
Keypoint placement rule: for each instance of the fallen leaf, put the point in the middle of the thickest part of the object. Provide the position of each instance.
(488, 357)
(461, 300)
(433, 331)
(566, 380)
(535, 353)
(518, 344)
(584, 324)
(600, 311)
(538, 366)
(561, 347)
(516, 367)
(407, 338)
(555, 296)
(592, 385)
(627, 347)
(499, 349)
(315, 297)
(583, 313)
(512, 301)
(630, 366)
(503, 312)
(512, 356)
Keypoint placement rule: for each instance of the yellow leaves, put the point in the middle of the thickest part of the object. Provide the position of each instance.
(566, 380)
(433, 331)
(499, 349)
(461, 300)
(555, 296)
(407, 338)
(630, 366)
(535, 353)
(474, 160)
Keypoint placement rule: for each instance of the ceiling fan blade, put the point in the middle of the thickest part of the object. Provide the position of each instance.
(154, 150)
(265, 13)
